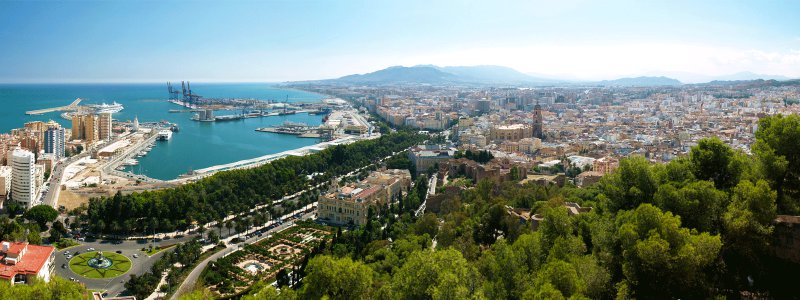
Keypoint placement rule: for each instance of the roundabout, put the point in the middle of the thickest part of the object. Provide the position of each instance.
(100, 264)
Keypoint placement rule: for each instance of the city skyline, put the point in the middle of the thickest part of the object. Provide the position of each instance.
(276, 41)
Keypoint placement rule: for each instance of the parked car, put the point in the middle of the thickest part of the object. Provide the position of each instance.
(90, 249)
(119, 251)
(135, 255)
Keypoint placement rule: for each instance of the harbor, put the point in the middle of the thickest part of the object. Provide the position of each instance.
(198, 144)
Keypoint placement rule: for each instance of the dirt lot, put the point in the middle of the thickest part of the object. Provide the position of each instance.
(71, 200)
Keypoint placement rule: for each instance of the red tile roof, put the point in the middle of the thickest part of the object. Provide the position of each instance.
(32, 260)
(367, 192)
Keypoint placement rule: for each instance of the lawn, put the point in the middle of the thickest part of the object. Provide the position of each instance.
(65, 243)
(152, 251)
(120, 264)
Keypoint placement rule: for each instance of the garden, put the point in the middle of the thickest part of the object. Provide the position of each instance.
(263, 261)
(100, 265)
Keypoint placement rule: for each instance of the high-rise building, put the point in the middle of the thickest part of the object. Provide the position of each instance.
(28, 140)
(90, 128)
(484, 106)
(77, 126)
(104, 126)
(35, 131)
(84, 127)
(135, 123)
(537, 121)
(54, 140)
(23, 181)
(5, 183)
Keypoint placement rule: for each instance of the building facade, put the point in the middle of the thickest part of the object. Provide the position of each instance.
(104, 126)
(514, 132)
(84, 127)
(54, 142)
(424, 157)
(538, 120)
(350, 205)
(5, 184)
(23, 178)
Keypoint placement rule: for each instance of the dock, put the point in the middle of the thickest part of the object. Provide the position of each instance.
(71, 107)
(298, 129)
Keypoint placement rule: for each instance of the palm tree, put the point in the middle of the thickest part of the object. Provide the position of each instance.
(201, 230)
(219, 225)
(229, 225)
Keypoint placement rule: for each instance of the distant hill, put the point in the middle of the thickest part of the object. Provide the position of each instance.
(488, 73)
(641, 81)
(480, 75)
(399, 74)
(430, 74)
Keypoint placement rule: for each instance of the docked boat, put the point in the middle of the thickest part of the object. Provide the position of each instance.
(164, 135)
(107, 108)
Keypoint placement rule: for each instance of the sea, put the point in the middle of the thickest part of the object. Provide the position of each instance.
(197, 145)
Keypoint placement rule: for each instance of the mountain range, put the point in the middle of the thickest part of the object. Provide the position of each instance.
(494, 75)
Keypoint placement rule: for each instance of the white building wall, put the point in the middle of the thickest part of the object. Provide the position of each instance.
(23, 182)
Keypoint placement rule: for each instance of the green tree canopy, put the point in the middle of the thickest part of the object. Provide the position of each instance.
(441, 274)
(659, 255)
(57, 289)
(714, 160)
(41, 214)
(778, 152)
(337, 278)
(632, 184)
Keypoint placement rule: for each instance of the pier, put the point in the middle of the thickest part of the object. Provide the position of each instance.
(298, 129)
(71, 107)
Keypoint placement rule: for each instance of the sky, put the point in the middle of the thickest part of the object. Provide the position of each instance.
(271, 41)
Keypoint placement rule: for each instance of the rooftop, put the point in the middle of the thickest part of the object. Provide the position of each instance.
(23, 258)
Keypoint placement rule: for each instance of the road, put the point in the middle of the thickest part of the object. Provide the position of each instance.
(56, 177)
(116, 285)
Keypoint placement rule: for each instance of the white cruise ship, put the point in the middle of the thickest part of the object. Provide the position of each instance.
(164, 135)
(107, 108)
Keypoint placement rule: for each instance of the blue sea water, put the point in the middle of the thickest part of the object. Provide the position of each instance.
(197, 145)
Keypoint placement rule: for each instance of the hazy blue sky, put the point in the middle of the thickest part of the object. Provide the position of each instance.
(86, 41)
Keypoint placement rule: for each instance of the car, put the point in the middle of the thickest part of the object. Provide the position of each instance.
(66, 252)
(69, 256)
(63, 266)
(72, 279)
(90, 249)
(135, 255)
(77, 252)
(118, 251)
